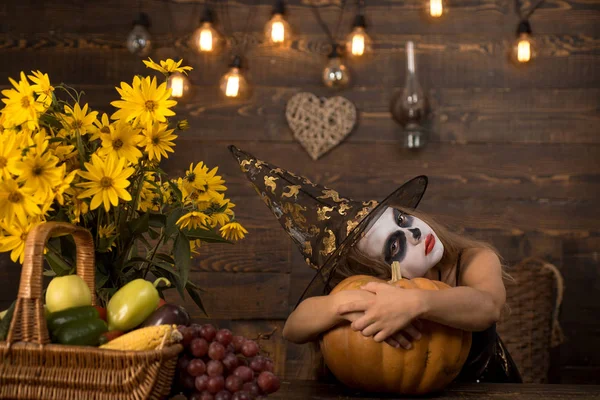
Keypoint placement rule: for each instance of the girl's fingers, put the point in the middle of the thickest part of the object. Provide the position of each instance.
(362, 323)
(372, 330)
(371, 287)
(412, 331)
(404, 342)
(392, 342)
(418, 324)
(353, 307)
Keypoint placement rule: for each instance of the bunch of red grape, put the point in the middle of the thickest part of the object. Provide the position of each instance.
(219, 366)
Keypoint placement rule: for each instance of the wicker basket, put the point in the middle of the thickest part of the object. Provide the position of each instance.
(32, 368)
(531, 328)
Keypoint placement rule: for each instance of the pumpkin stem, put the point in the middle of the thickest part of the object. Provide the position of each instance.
(396, 274)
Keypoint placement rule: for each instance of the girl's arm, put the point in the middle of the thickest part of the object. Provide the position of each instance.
(316, 315)
(474, 306)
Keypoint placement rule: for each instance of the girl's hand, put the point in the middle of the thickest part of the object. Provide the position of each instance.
(390, 311)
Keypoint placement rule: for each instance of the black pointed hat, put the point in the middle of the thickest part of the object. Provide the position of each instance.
(321, 222)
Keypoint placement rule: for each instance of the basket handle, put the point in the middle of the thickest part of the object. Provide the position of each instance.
(29, 321)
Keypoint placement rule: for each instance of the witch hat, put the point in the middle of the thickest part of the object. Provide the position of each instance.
(321, 222)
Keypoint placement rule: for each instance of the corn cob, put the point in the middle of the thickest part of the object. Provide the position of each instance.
(149, 338)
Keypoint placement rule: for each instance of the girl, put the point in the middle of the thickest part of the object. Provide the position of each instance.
(391, 314)
(340, 237)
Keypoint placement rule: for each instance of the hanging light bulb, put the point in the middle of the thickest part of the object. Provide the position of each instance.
(335, 74)
(435, 8)
(139, 41)
(277, 29)
(524, 47)
(233, 84)
(358, 42)
(179, 84)
(206, 39)
(409, 107)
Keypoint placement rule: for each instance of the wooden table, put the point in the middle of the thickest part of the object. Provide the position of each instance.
(311, 390)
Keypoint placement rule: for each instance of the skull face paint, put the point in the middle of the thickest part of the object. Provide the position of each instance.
(396, 236)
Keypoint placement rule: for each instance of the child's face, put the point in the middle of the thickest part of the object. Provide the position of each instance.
(396, 236)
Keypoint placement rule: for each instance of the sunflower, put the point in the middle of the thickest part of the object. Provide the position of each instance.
(192, 220)
(195, 177)
(107, 181)
(14, 238)
(167, 67)
(17, 202)
(144, 102)
(195, 245)
(40, 173)
(9, 154)
(223, 214)
(78, 119)
(64, 184)
(77, 206)
(106, 231)
(121, 142)
(158, 140)
(233, 231)
(21, 107)
(42, 87)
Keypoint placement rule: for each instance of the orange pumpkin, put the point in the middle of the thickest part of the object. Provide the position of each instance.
(361, 363)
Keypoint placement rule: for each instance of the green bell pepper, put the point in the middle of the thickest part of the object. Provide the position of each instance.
(58, 319)
(132, 304)
(81, 332)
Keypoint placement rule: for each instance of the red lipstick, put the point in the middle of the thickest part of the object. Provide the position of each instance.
(429, 243)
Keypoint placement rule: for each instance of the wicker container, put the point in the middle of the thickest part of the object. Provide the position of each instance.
(531, 328)
(33, 368)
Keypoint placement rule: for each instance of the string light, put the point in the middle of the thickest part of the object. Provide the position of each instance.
(233, 84)
(139, 41)
(179, 84)
(335, 74)
(206, 39)
(436, 8)
(278, 29)
(524, 47)
(358, 42)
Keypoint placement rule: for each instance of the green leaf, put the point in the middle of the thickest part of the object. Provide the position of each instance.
(182, 254)
(153, 234)
(58, 265)
(172, 276)
(50, 273)
(206, 235)
(171, 226)
(165, 257)
(176, 190)
(196, 297)
(101, 279)
(157, 220)
(139, 225)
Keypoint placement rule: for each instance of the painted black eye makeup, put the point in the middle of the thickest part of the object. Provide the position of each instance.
(395, 248)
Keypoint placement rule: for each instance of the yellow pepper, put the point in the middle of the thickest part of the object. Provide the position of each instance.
(132, 304)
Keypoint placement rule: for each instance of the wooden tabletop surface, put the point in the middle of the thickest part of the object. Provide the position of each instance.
(311, 390)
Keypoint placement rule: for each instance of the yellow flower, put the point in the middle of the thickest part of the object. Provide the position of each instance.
(14, 238)
(121, 142)
(9, 154)
(42, 87)
(167, 67)
(183, 125)
(101, 126)
(169, 196)
(78, 119)
(233, 231)
(107, 181)
(222, 217)
(17, 202)
(195, 245)
(21, 107)
(106, 231)
(144, 102)
(195, 177)
(157, 141)
(192, 220)
(78, 207)
(63, 185)
(149, 198)
(40, 173)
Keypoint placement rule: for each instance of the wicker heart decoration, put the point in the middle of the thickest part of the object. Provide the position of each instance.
(320, 124)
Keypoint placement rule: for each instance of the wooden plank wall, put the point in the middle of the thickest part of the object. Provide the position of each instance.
(515, 158)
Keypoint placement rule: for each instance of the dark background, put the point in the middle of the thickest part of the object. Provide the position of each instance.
(515, 157)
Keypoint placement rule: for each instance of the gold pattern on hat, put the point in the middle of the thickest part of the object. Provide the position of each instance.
(331, 194)
(259, 164)
(293, 191)
(328, 243)
(310, 264)
(263, 196)
(370, 203)
(296, 212)
(277, 171)
(314, 230)
(322, 211)
(343, 208)
(307, 248)
(270, 183)
(243, 165)
(288, 224)
(350, 226)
